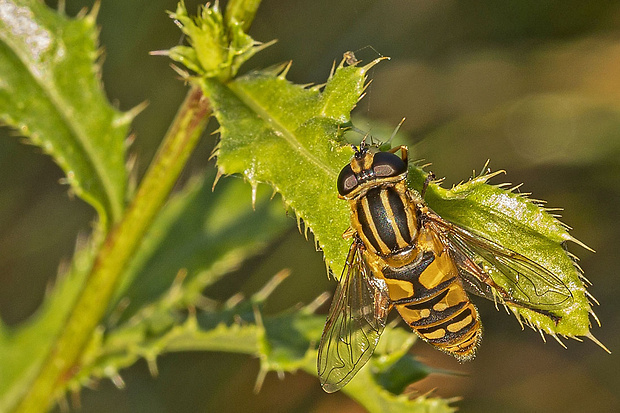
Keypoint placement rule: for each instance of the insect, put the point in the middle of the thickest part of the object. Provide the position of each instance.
(406, 256)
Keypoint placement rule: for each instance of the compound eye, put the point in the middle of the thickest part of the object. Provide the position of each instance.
(386, 164)
(346, 180)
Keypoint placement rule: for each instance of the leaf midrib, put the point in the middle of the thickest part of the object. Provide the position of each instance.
(276, 125)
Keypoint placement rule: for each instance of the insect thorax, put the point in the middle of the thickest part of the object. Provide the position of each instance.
(385, 219)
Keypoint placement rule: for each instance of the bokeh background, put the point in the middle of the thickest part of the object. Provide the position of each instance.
(532, 85)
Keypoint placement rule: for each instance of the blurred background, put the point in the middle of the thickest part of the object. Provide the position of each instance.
(532, 85)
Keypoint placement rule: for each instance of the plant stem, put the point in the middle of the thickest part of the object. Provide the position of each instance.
(117, 251)
(124, 239)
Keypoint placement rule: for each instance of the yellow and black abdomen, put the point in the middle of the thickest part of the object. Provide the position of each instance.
(430, 298)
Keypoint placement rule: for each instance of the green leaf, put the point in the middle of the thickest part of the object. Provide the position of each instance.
(405, 371)
(290, 137)
(392, 366)
(284, 343)
(287, 344)
(50, 92)
(219, 231)
(524, 226)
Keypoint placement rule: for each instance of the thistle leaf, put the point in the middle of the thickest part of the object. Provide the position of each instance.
(290, 137)
(206, 234)
(515, 222)
(199, 237)
(213, 244)
(23, 349)
(50, 92)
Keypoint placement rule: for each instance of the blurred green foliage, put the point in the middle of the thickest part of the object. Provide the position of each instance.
(531, 85)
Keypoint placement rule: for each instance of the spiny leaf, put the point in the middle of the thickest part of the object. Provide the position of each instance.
(23, 349)
(290, 137)
(283, 342)
(516, 222)
(50, 92)
(199, 230)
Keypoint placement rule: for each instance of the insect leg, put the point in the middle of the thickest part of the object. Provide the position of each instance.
(403, 151)
(430, 177)
(349, 233)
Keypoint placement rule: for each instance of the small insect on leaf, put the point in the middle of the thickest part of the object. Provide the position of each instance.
(407, 256)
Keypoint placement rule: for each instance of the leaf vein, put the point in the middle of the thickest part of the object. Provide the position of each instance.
(280, 129)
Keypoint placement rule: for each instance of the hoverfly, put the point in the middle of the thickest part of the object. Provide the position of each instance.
(406, 256)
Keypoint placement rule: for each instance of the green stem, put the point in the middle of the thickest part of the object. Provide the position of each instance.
(122, 242)
(117, 251)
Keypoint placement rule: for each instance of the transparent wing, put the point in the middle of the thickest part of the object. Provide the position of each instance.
(483, 264)
(355, 322)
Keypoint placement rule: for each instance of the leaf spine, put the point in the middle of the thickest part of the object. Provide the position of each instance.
(598, 343)
(218, 175)
(374, 62)
(333, 69)
(558, 340)
(284, 71)
(254, 188)
(594, 316)
(151, 361)
(317, 302)
(591, 297)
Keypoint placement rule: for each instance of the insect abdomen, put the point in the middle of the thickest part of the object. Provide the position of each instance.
(431, 300)
(455, 329)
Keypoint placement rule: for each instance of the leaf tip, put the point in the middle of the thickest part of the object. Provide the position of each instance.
(125, 118)
(593, 314)
(254, 188)
(260, 379)
(313, 306)
(262, 294)
(218, 175)
(116, 379)
(486, 175)
(285, 69)
(151, 361)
